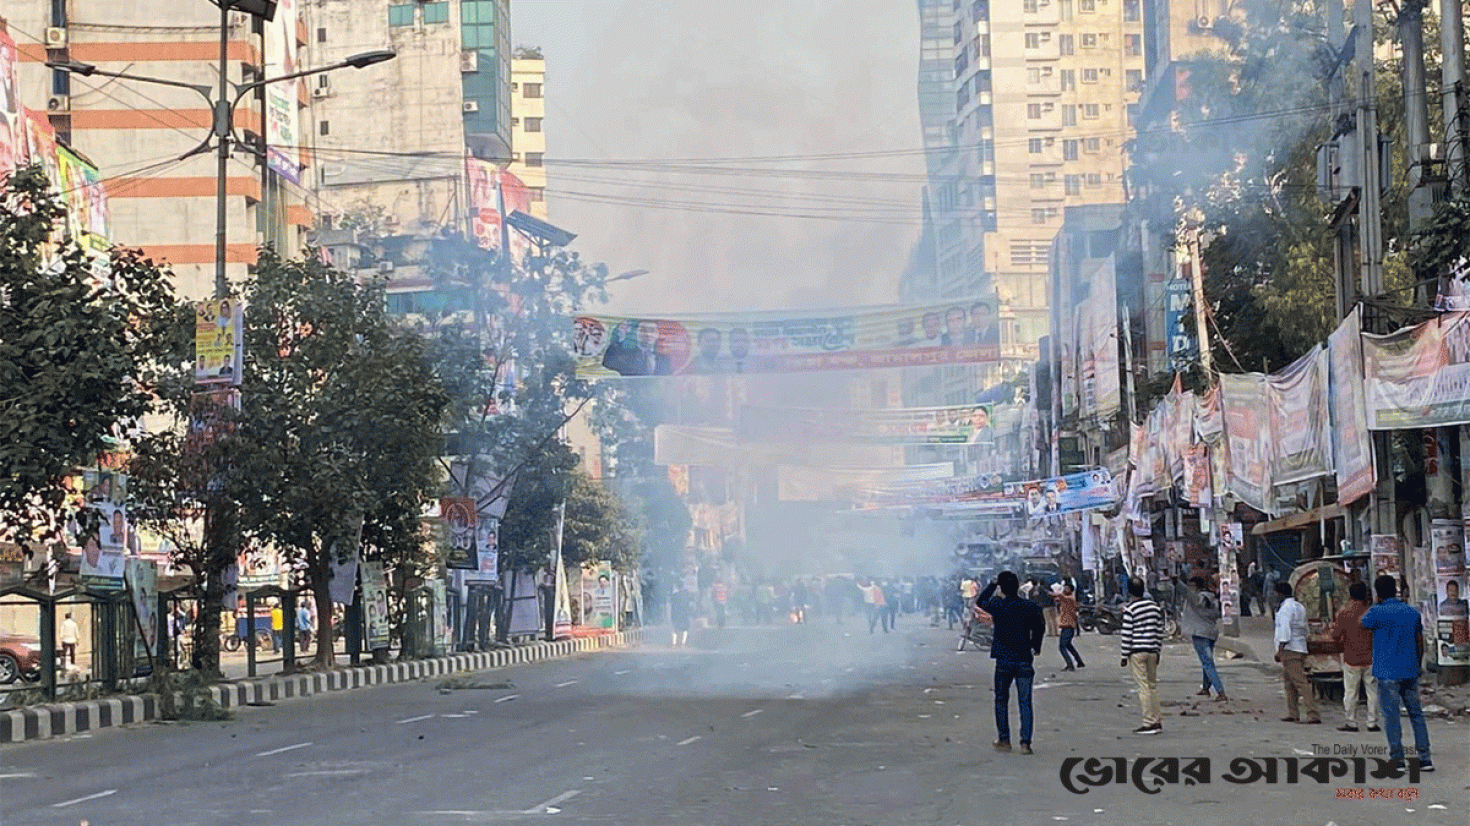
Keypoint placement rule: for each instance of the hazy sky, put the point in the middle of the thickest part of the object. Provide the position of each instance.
(655, 80)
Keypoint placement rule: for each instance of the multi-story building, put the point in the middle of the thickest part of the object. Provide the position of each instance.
(138, 131)
(528, 125)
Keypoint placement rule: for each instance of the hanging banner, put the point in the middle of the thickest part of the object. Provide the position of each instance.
(86, 201)
(12, 115)
(1300, 422)
(779, 342)
(1036, 499)
(375, 604)
(1097, 344)
(282, 111)
(1197, 488)
(259, 567)
(1419, 376)
(460, 525)
(1209, 416)
(488, 184)
(219, 341)
(1248, 437)
(103, 553)
(965, 424)
(1352, 445)
(1454, 287)
(802, 483)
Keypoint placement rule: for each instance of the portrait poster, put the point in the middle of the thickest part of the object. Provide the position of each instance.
(1384, 555)
(375, 604)
(461, 520)
(219, 341)
(142, 580)
(599, 596)
(103, 565)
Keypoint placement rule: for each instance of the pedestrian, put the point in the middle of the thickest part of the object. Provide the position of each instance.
(1200, 622)
(872, 604)
(836, 592)
(1271, 579)
(1142, 638)
(71, 634)
(1357, 658)
(679, 612)
(1291, 652)
(1122, 585)
(1046, 598)
(303, 624)
(1398, 648)
(278, 624)
(720, 596)
(891, 603)
(1067, 624)
(1016, 639)
(798, 595)
(1027, 587)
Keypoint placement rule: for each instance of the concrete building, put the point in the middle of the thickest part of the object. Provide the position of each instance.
(528, 125)
(392, 141)
(136, 131)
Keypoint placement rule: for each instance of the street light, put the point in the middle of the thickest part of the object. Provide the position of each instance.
(222, 105)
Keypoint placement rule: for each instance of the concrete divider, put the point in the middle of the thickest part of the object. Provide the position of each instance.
(42, 722)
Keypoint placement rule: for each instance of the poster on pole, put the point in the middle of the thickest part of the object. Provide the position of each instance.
(346, 552)
(786, 342)
(1247, 437)
(599, 596)
(375, 604)
(142, 578)
(1452, 610)
(103, 551)
(1384, 555)
(1352, 445)
(461, 524)
(1300, 422)
(487, 185)
(219, 341)
(1419, 376)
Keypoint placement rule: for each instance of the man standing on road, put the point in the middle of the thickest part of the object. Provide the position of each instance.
(1357, 658)
(278, 624)
(1398, 648)
(1199, 621)
(70, 635)
(1017, 636)
(720, 596)
(1046, 597)
(1142, 637)
(1067, 622)
(1291, 652)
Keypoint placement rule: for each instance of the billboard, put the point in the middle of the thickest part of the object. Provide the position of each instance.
(784, 342)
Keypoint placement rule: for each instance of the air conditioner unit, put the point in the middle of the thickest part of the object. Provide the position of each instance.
(469, 61)
(385, 266)
(55, 37)
(58, 103)
(320, 92)
(472, 106)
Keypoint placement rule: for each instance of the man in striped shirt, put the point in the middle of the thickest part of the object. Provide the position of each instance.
(1142, 639)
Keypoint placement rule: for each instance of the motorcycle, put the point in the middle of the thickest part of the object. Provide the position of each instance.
(1104, 619)
(977, 630)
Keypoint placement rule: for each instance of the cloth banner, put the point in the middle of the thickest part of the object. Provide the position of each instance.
(282, 109)
(1419, 376)
(1352, 444)
(803, 483)
(1248, 437)
(1301, 426)
(1197, 488)
(965, 424)
(1209, 416)
(785, 342)
(1036, 499)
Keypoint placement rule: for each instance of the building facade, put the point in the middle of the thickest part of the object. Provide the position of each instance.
(528, 125)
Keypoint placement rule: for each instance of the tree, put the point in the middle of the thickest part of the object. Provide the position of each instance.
(80, 355)
(598, 525)
(342, 417)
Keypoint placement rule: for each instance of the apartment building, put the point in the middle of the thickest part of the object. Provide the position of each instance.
(138, 131)
(528, 125)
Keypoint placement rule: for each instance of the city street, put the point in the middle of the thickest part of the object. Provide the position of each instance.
(814, 724)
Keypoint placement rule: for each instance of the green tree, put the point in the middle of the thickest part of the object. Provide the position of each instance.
(342, 417)
(80, 356)
(599, 525)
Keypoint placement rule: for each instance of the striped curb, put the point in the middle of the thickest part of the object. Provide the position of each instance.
(60, 719)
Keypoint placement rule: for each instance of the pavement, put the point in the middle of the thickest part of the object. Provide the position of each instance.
(814, 724)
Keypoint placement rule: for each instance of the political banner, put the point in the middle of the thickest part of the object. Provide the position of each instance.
(1419, 376)
(103, 551)
(1197, 488)
(142, 580)
(806, 483)
(12, 564)
(461, 520)
(1037, 499)
(375, 604)
(488, 187)
(259, 567)
(1300, 422)
(1352, 444)
(12, 115)
(219, 341)
(282, 110)
(1454, 287)
(1097, 344)
(786, 342)
(1247, 437)
(963, 424)
(599, 596)
(1074, 492)
(1209, 416)
(1383, 552)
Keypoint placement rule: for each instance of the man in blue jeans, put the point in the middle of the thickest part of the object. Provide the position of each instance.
(1018, 631)
(1398, 648)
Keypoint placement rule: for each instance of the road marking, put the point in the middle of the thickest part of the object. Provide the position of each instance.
(17, 775)
(546, 808)
(83, 799)
(328, 772)
(753, 712)
(621, 673)
(797, 696)
(284, 749)
(415, 719)
(454, 716)
(507, 698)
(687, 740)
(469, 711)
(567, 683)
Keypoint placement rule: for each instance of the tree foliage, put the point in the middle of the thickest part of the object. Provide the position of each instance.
(80, 355)
(625, 419)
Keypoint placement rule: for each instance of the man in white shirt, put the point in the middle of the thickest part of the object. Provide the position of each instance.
(71, 634)
(1291, 652)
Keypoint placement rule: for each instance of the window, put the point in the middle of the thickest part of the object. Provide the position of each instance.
(401, 14)
(321, 35)
(538, 194)
(1034, 146)
(1033, 75)
(1069, 149)
(980, 10)
(1132, 114)
(982, 45)
(533, 90)
(1069, 115)
(1091, 111)
(1033, 111)
(1069, 80)
(1089, 41)
(1130, 11)
(1067, 44)
(1089, 5)
(535, 159)
(985, 151)
(324, 127)
(1065, 6)
(1038, 180)
(533, 124)
(961, 62)
(1030, 6)
(1094, 179)
(1133, 45)
(1033, 40)
(1038, 216)
(982, 81)
(436, 13)
(1089, 75)
(1073, 184)
(1092, 144)
(959, 32)
(961, 96)
(1133, 80)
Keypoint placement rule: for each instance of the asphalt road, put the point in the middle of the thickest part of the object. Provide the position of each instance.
(815, 724)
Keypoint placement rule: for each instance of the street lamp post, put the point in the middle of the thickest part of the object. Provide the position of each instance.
(222, 108)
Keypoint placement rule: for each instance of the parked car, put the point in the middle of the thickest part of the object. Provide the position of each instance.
(20, 658)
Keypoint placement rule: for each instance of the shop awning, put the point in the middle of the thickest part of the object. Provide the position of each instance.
(1297, 521)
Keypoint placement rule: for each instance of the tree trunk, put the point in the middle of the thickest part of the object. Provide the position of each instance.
(321, 578)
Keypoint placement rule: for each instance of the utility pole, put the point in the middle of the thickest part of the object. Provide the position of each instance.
(1453, 99)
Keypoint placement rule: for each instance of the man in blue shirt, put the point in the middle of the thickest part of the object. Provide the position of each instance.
(1019, 628)
(1398, 647)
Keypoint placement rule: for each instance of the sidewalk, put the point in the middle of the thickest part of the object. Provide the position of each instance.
(46, 721)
